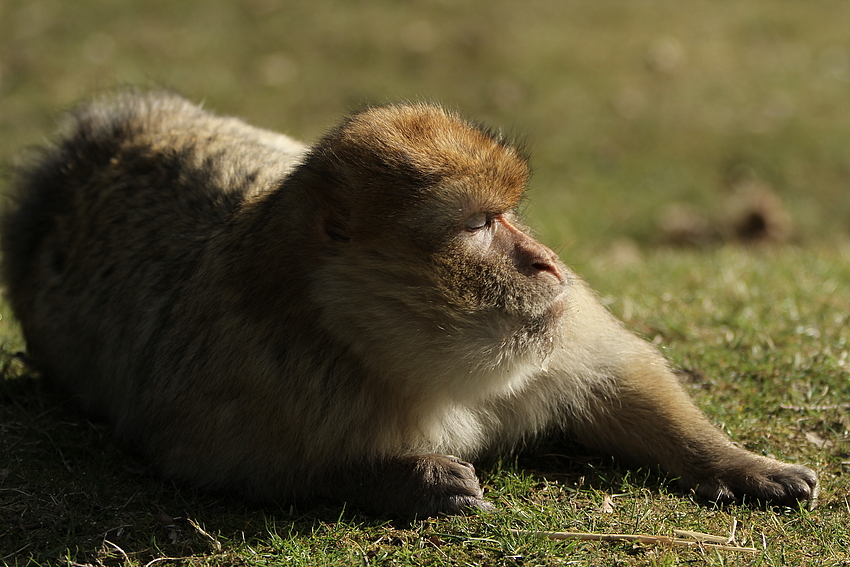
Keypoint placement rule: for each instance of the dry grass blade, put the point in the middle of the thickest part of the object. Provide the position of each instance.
(642, 538)
(822, 407)
(705, 538)
(200, 530)
(118, 549)
(163, 559)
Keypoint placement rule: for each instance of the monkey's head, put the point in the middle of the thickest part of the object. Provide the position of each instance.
(417, 246)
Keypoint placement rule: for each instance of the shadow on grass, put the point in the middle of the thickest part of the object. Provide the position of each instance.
(71, 493)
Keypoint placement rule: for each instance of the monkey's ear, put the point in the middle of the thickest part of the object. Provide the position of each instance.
(327, 203)
(334, 227)
(332, 217)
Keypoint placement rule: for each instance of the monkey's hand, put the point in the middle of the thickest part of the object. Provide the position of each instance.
(752, 477)
(416, 486)
(438, 484)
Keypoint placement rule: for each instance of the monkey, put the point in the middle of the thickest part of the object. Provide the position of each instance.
(352, 321)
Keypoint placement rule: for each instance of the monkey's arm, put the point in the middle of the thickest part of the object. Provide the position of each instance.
(643, 415)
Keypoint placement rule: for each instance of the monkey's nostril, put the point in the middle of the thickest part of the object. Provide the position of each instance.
(547, 267)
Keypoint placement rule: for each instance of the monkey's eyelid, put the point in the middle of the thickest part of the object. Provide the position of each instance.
(477, 221)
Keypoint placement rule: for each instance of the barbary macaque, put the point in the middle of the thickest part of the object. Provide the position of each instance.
(352, 321)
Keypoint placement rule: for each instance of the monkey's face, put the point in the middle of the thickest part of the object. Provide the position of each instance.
(427, 264)
(491, 268)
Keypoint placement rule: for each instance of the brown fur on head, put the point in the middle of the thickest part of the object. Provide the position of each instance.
(386, 162)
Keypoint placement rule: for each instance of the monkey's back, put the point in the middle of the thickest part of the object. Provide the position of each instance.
(110, 221)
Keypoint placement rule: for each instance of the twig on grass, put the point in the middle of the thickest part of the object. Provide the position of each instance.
(709, 538)
(692, 539)
(701, 537)
(826, 407)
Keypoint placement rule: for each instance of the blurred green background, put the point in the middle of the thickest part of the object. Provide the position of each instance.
(641, 116)
(651, 123)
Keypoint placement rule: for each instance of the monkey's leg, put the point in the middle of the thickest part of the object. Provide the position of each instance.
(648, 419)
(409, 486)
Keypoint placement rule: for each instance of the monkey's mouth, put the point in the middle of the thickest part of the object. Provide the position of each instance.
(558, 305)
(543, 323)
(550, 304)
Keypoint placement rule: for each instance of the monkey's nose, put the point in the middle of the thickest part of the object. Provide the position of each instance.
(534, 259)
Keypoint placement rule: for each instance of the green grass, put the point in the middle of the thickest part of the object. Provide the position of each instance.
(627, 107)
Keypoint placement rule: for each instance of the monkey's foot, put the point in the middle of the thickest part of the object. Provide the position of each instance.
(762, 479)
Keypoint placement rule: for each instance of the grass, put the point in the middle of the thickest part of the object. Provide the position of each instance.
(627, 109)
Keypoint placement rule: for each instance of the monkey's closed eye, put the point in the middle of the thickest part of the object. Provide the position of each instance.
(477, 221)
